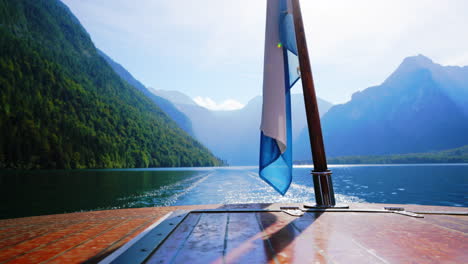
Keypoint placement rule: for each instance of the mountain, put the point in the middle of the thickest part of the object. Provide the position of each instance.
(234, 136)
(457, 155)
(168, 108)
(453, 80)
(420, 107)
(175, 97)
(63, 106)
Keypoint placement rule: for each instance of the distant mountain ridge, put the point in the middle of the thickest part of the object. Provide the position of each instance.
(457, 155)
(63, 106)
(421, 107)
(175, 97)
(234, 136)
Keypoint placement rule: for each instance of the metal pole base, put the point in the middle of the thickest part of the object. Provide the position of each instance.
(323, 188)
(316, 206)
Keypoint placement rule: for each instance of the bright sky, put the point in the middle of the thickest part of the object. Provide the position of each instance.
(212, 50)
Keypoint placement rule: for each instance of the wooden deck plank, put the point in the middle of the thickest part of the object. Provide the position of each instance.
(398, 239)
(13, 230)
(313, 238)
(24, 234)
(279, 233)
(244, 240)
(168, 251)
(206, 242)
(38, 255)
(95, 245)
(320, 234)
(118, 243)
(40, 241)
(457, 223)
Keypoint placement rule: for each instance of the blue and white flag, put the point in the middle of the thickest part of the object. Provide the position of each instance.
(281, 71)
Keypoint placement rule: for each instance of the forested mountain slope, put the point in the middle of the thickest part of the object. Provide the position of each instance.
(182, 120)
(63, 106)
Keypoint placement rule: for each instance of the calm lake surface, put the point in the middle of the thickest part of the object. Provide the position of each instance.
(28, 193)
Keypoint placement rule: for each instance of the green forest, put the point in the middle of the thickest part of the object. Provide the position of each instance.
(62, 106)
(457, 155)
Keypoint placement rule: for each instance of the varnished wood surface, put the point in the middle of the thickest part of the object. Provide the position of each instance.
(328, 237)
(76, 237)
(262, 237)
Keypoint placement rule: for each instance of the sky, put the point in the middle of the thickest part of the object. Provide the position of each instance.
(212, 50)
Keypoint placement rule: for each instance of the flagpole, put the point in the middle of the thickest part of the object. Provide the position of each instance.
(323, 186)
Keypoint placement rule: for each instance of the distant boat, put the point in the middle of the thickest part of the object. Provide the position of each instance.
(249, 233)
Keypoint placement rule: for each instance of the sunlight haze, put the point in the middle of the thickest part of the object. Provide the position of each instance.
(213, 49)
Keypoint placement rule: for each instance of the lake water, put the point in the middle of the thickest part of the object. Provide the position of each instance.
(28, 193)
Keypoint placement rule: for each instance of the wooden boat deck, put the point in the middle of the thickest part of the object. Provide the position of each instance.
(240, 237)
(75, 237)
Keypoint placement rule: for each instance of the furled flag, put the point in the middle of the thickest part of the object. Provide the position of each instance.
(280, 72)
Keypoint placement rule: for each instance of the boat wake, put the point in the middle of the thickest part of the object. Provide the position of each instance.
(166, 195)
(225, 187)
(234, 187)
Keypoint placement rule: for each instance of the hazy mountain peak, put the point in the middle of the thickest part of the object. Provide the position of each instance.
(410, 65)
(175, 97)
(254, 102)
(419, 60)
(453, 80)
